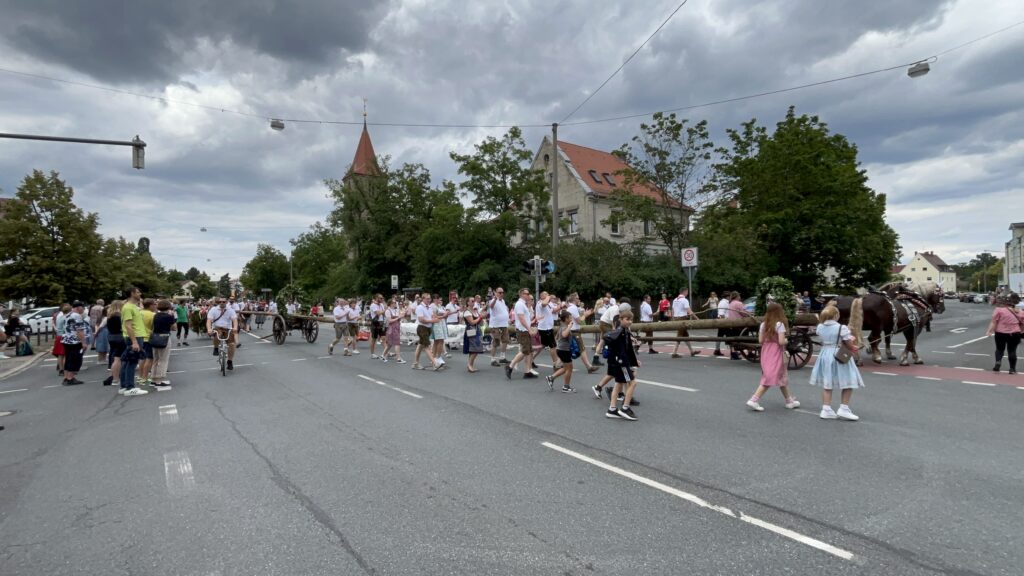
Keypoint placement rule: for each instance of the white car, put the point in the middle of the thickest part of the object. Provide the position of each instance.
(980, 299)
(39, 319)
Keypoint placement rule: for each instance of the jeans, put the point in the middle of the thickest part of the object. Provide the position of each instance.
(1008, 342)
(129, 361)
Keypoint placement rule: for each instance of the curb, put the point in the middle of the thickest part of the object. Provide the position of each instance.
(19, 369)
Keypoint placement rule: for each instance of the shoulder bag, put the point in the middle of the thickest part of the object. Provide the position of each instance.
(843, 353)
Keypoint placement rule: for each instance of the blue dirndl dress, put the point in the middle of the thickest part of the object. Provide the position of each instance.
(828, 373)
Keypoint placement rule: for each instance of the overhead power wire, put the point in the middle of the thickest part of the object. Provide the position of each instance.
(624, 62)
(533, 125)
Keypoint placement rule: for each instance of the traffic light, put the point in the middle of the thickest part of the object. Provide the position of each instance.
(528, 267)
(547, 267)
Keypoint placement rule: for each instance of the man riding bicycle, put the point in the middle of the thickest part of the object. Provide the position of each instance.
(222, 324)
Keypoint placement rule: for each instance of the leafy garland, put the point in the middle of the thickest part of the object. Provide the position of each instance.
(779, 290)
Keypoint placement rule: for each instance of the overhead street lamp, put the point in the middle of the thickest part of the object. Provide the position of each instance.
(277, 124)
(138, 146)
(918, 69)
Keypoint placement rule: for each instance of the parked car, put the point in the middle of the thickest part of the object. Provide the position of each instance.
(980, 298)
(950, 295)
(39, 319)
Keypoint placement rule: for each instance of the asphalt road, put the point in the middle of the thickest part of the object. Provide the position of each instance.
(299, 463)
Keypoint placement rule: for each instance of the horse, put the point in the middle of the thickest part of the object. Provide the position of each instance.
(892, 309)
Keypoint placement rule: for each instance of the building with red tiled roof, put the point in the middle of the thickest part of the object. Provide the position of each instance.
(929, 267)
(365, 161)
(586, 179)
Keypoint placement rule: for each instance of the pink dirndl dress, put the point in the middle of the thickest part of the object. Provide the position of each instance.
(773, 361)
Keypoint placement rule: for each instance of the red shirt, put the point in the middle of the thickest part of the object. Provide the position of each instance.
(664, 305)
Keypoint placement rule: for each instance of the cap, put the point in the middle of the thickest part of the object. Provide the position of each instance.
(78, 304)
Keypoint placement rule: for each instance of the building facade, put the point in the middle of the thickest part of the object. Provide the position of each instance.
(586, 179)
(1013, 265)
(927, 267)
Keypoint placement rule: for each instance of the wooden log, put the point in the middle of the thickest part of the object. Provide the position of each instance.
(734, 340)
(674, 325)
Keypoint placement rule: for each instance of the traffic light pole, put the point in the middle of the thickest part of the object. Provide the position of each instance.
(536, 277)
(137, 145)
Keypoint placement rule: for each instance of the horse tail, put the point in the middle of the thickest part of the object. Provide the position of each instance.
(857, 320)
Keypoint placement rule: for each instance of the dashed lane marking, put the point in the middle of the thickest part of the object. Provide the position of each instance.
(169, 414)
(178, 372)
(17, 390)
(927, 378)
(968, 342)
(941, 352)
(386, 385)
(299, 359)
(802, 411)
(694, 499)
(977, 383)
(178, 471)
(322, 357)
(672, 386)
(975, 354)
(53, 386)
(884, 373)
(1020, 387)
(969, 368)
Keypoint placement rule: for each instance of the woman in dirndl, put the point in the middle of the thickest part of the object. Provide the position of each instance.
(472, 343)
(774, 372)
(829, 373)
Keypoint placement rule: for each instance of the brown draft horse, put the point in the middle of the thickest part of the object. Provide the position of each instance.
(894, 309)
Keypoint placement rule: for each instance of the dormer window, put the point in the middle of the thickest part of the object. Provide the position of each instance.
(608, 179)
(593, 174)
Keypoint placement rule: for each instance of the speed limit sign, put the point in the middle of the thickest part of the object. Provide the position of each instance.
(689, 258)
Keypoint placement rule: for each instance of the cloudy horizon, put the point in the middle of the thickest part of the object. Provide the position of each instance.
(946, 149)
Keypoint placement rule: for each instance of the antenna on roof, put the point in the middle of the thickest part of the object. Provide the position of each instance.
(364, 111)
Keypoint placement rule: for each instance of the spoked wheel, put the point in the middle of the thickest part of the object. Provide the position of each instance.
(223, 362)
(750, 351)
(800, 349)
(311, 330)
(279, 331)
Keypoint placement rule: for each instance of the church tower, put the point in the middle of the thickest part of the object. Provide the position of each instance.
(364, 164)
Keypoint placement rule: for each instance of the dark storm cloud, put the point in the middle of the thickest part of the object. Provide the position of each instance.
(142, 41)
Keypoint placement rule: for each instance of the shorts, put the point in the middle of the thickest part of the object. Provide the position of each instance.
(547, 338)
(116, 350)
(58, 347)
(423, 333)
(340, 330)
(564, 356)
(499, 335)
(73, 354)
(353, 329)
(605, 328)
(220, 336)
(147, 351)
(376, 329)
(682, 332)
(622, 374)
(525, 340)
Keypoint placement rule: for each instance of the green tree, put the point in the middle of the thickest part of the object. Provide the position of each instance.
(673, 158)
(192, 274)
(224, 286)
(122, 265)
(502, 186)
(175, 277)
(48, 246)
(801, 195)
(315, 254)
(267, 269)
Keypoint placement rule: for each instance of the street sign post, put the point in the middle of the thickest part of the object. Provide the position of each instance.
(394, 282)
(689, 260)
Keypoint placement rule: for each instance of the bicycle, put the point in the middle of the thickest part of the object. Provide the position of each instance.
(222, 352)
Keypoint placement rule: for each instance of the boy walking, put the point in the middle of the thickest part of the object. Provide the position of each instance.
(622, 362)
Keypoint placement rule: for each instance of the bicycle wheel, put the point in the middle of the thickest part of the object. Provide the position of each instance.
(223, 361)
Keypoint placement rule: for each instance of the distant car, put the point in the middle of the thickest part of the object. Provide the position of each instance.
(966, 297)
(980, 299)
(950, 295)
(749, 304)
(39, 319)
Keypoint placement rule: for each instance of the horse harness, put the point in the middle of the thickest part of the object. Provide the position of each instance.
(910, 302)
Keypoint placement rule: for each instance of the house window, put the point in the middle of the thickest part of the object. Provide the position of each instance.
(913, 269)
(929, 277)
(616, 228)
(608, 178)
(924, 269)
(574, 222)
(647, 227)
(593, 174)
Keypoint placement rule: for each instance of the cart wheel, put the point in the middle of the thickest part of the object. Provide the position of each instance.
(752, 351)
(279, 331)
(311, 330)
(800, 349)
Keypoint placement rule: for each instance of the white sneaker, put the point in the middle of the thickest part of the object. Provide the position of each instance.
(534, 372)
(355, 352)
(374, 357)
(792, 403)
(400, 361)
(134, 392)
(384, 360)
(827, 413)
(755, 406)
(845, 414)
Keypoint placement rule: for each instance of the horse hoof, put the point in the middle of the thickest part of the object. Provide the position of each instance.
(918, 361)
(876, 360)
(890, 357)
(904, 363)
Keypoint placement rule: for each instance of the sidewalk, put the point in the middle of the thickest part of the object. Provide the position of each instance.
(11, 366)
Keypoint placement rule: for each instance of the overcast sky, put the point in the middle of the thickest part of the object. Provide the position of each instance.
(947, 149)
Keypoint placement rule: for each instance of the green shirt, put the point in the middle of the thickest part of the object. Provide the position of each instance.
(132, 313)
(182, 312)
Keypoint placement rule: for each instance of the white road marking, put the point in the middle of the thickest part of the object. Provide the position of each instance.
(1020, 387)
(18, 390)
(975, 354)
(178, 372)
(178, 470)
(322, 357)
(968, 342)
(672, 386)
(927, 378)
(969, 368)
(941, 352)
(169, 414)
(386, 385)
(802, 411)
(885, 373)
(52, 386)
(958, 330)
(298, 359)
(977, 383)
(242, 365)
(694, 499)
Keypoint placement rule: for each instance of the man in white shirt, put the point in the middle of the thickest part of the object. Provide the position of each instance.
(290, 308)
(545, 312)
(340, 324)
(723, 312)
(523, 323)
(606, 321)
(424, 322)
(355, 311)
(222, 320)
(377, 308)
(273, 307)
(646, 316)
(498, 312)
(574, 309)
(681, 311)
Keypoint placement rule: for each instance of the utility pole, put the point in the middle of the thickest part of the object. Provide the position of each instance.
(554, 187)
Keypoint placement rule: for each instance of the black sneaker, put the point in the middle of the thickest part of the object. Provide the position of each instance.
(508, 372)
(626, 414)
(597, 391)
(528, 376)
(215, 351)
(551, 382)
(231, 365)
(653, 351)
(612, 413)
(185, 343)
(238, 345)
(568, 390)
(718, 353)
(108, 381)
(634, 401)
(995, 368)
(504, 361)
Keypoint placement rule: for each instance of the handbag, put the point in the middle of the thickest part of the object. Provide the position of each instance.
(843, 354)
(574, 347)
(159, 340)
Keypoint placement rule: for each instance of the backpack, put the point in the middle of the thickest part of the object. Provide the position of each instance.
(574, 348)
(24, 349)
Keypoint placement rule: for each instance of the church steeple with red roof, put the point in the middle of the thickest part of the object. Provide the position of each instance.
(365, 161)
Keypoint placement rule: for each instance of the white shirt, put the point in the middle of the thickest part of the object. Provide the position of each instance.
(353, 313)
(574, 310)
(680, 308)
(646, 313)
(452, 313)
(723, 307)
(499, 313)
(377, 311)
(290, 308)
(424, 317)
(523, 310)
(609, 314)
(545, 319)
(340, 315)
(273, 307)
(392, 313)
(222, 318)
